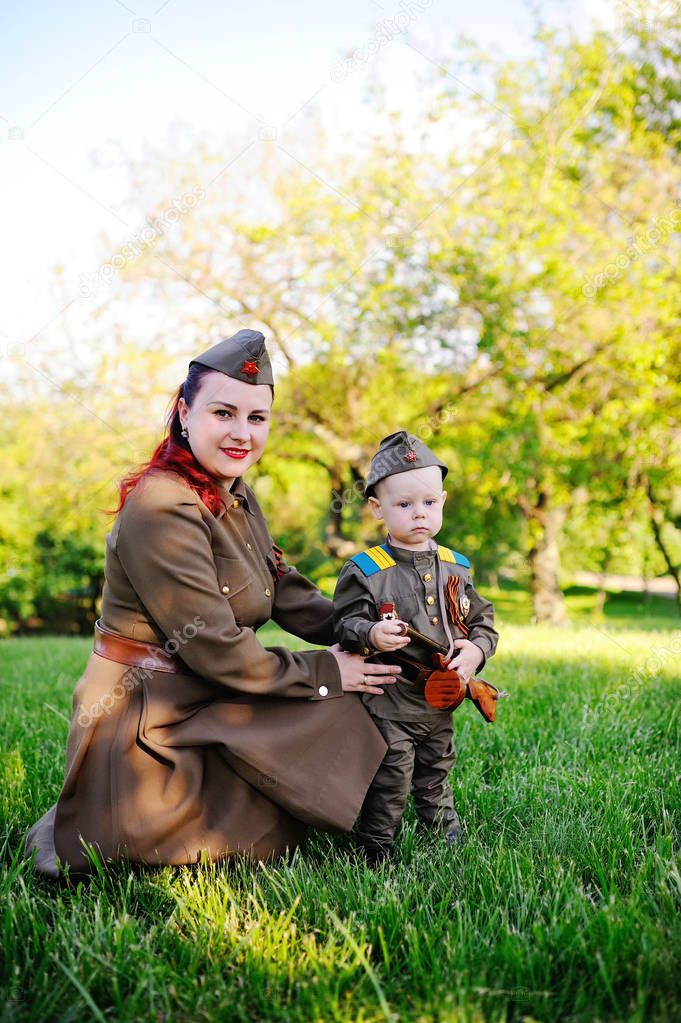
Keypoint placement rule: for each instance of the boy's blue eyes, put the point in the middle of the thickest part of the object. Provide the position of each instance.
(405, 504)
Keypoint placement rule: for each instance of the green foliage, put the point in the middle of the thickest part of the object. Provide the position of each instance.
(60, 482)
(511, 297)
(564, 904)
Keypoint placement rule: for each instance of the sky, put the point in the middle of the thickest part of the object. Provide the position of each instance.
(84, 86)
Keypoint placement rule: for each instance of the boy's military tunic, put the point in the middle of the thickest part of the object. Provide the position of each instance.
(409, 580)
(419, 737)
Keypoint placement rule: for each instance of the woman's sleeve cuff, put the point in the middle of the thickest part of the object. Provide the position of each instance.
(327, 684)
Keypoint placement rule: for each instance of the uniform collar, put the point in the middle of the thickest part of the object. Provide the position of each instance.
(238, 495)
(401, 554)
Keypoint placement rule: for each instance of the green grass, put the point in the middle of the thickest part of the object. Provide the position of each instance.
(563, 905)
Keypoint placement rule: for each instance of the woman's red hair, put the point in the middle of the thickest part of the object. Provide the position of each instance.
(173, 454)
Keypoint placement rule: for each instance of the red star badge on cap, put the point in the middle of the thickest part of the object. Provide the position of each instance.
(410, 456)
(250, 368)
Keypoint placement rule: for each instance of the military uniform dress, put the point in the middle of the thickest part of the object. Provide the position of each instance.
(246, 746)
(420, 751)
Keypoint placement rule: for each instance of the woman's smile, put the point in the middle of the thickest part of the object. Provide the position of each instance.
(235, 452)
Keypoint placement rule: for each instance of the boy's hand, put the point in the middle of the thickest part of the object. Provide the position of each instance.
(387, 636)
(467, 660)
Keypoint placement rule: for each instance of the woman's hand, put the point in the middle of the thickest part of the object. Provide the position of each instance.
(357, 677)
(388, 635)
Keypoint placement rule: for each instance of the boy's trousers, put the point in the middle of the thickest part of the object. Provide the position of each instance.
(420, 756)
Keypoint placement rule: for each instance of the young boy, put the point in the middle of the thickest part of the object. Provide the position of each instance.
(410, 570)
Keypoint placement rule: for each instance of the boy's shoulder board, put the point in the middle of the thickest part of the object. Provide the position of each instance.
(374, 560)
(453, 557)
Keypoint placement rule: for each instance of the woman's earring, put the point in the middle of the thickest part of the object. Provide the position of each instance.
(184, 432)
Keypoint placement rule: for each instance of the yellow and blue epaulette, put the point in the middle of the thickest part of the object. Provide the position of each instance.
(377, 558)
(374, 560)
(453, 557)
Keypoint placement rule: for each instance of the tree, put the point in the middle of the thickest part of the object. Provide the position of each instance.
(570, 179)
(512, 297)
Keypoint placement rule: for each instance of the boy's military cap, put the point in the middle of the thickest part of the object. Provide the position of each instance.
(242, 356)
(399, 452)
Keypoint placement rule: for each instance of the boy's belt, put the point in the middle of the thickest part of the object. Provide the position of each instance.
(123, 650)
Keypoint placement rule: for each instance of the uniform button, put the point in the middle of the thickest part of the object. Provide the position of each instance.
(366, 651)
(235, 503)
(430, 600)
(249, 547)
(225, 589)
(435, 620)
(268, 591)
(323, 691)
(427, 577)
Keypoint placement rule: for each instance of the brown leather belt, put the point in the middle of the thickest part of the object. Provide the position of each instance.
(115, 647)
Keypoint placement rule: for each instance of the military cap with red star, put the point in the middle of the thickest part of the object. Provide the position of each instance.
(399, 452)
(242, 356)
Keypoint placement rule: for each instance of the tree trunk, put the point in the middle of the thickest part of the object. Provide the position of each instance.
(547, 596)
(656, 522)
(601, 595)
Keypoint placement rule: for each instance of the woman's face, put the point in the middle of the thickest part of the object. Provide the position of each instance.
(228, 424)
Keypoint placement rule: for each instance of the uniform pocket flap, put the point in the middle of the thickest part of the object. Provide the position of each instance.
(406, 605)
(234, 575)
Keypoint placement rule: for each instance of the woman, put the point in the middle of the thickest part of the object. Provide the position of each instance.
(188, 736)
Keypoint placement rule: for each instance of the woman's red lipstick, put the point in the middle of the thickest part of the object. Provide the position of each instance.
(235, 452)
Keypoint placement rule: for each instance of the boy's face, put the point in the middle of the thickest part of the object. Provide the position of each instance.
(411, 505)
